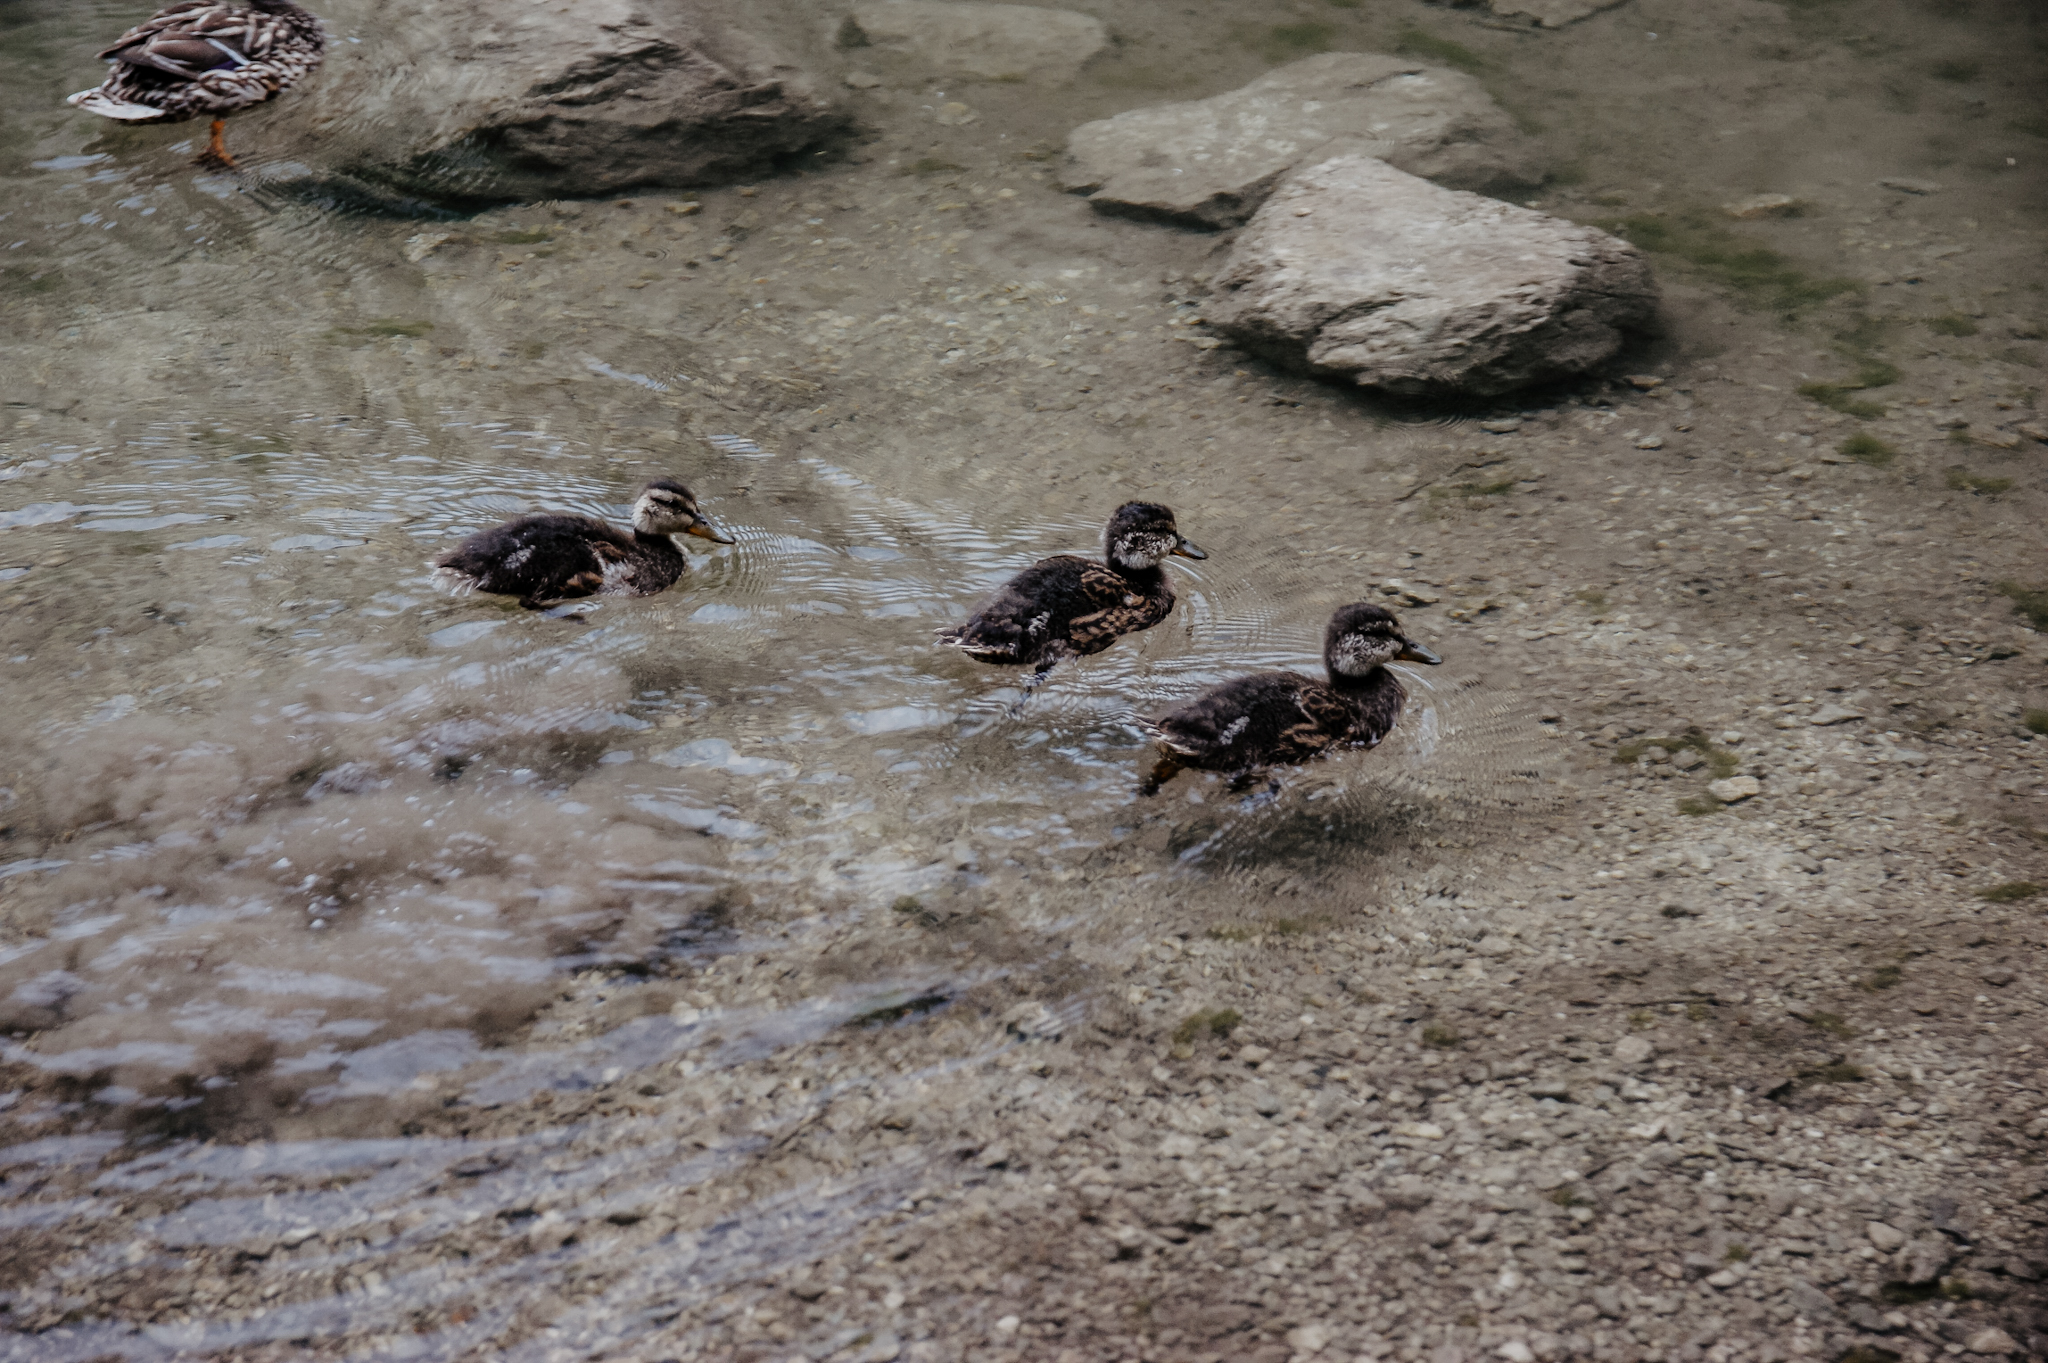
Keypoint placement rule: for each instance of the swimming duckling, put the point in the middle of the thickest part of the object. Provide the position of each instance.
(1284, 717)
(1067, 606)
(557, 557)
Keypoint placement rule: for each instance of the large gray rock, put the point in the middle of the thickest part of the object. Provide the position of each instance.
(466, 100)
(1213, 161)
(979, 42)
(1356, 270)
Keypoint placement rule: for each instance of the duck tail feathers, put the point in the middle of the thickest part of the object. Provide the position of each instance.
(453, 580)
(98, 101)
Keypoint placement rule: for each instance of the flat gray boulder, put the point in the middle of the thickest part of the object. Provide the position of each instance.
(1359, 271)
(466, 100)
(1213, 161)
(978, 42)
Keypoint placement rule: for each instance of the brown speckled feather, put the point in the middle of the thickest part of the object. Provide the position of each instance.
(205, 58)
(1060, 607)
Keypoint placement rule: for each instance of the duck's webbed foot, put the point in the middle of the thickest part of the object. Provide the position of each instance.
(216, 153)
(1163, 770)
(1034, 680)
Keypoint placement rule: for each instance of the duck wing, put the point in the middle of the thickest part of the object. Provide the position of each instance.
(1064, 601)
(1255, 721)
(198, 36)
(538, 558)
(1115, 608)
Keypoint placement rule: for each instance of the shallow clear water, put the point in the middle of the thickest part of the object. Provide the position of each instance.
(296, 839)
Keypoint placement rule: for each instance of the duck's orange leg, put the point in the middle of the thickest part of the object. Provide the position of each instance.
(216, 153)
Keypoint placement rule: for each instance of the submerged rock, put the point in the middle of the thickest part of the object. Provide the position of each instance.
(1551, 13)
(1354, 269)
(464, 102)
(980, 42)
(1214, 161)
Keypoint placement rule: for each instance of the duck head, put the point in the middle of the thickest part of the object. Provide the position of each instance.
(1363, 636)
(1143, 535)
(666, 507)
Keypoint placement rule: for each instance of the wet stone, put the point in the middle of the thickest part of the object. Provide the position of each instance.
(1214, 161)
(975, 41)
(1355, 270)
(517, 104)
(1762, 206)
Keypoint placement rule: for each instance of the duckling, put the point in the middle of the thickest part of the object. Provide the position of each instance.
(1067, 606)
(206, 57)
(547, 558)
(1283, 717)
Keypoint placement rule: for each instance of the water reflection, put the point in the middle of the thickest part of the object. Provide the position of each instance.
(309, 854)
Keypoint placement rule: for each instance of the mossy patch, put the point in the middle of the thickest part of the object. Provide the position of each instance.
(1591, 597)
(1271, 927)
(1831, 1023)
(1858, 342)
(2010, 892)
(380, 328)
(1961, 479)
(1735, 1254)
(912, 909)
(1440, 1038)
(1721, 763)
(23, 279)
(523, 236)
(1756, 273)
(1952, 324)
(1836, 396)
(1695, 806)
(1418, 42)
(2031, 602)
(1866, 448)
(1884, 977)
(1291, 42)
(2035, 721)
(1216, 1022)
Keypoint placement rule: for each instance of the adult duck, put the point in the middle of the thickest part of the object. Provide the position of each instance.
(205, 58)
(1278, 718)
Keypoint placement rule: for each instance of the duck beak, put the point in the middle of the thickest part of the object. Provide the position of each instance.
(705, 530)
(1186, 549)
(1413, 652)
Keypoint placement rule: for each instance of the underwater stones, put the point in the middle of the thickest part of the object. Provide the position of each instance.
(1551, 13)
(979, 42)
(468, 102)
(1763, 206)
(1214, 161)
(1356, 270)
(1735, 789)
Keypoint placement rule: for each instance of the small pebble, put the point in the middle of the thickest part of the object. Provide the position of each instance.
(1763, 206)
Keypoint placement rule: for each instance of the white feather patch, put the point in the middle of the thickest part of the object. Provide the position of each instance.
(97, 101)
